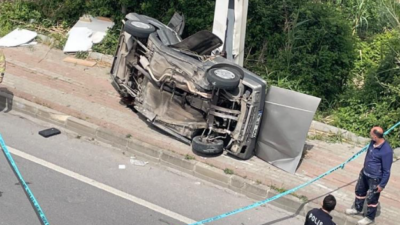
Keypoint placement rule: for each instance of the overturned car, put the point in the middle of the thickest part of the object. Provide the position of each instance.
(181, 88)
(187, 89)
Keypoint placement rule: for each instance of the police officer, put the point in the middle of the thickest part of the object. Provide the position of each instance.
(2, 65)
(373, 177)
(321, 216)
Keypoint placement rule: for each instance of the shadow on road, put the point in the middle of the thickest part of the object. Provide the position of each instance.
(6, 100)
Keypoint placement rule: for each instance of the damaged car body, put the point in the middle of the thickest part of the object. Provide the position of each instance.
(179, 86)
(192, 92)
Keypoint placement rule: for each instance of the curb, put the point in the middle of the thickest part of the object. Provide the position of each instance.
(322, 127)
(166, 158)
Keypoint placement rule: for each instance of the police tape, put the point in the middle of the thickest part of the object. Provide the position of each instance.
(263, 202)
(27, 190)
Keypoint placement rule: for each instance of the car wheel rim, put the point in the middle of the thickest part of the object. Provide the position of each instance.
(224, 74)
(140, 25)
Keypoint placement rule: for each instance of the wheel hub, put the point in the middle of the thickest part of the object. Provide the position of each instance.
(224, 74)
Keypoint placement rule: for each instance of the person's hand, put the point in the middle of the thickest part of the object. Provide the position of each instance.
(379, 189)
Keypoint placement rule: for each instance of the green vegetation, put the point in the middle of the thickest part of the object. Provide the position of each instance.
(281, 190)
(278, 189)
(329, 137)
(189, 157)
(228, 171)
(82, 55)
(345, 52)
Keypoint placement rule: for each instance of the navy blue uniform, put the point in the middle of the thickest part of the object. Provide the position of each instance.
(318, 217)
(376, 172)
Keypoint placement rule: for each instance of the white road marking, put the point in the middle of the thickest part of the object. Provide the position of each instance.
(101, 186)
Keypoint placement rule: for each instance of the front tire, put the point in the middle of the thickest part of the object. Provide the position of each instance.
(202, 146)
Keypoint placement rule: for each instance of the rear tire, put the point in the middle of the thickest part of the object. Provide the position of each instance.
(138, 29)
(200, 145)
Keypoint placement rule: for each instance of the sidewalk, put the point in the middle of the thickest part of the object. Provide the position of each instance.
(86, 93)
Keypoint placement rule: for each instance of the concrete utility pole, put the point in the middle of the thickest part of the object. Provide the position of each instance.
(230, 19)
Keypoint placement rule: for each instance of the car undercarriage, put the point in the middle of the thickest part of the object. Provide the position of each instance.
(186, 89)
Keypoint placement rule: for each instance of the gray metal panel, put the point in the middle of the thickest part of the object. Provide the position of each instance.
(286, 121)
(177, 23)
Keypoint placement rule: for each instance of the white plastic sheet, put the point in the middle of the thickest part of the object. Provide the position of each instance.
(17, 37)
(98, 37)
(136, 162)
(79, 40)
(96, 25)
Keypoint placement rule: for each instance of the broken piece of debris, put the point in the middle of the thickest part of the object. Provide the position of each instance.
(49, 132)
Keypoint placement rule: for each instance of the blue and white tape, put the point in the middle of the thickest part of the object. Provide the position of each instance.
(27, 190)
(263, 202)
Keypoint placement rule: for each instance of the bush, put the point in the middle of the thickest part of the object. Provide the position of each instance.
(375, 100)
(318, 53)
(360, 118)
(110, 42)
(12, 13)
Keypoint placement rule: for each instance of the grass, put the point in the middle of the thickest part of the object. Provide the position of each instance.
(31, 48)
(229, 171)
(189, 157)
(335, 138)
(280, 190)
(303, 198)
(318, 137)
(59, 40)
(82, 55)
(330, 137)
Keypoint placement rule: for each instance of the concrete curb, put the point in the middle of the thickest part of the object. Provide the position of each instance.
(322, 127)
(165, 158)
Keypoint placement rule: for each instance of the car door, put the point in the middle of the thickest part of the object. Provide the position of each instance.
(286, 120)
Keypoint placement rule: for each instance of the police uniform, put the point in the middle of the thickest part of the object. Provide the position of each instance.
(2, 65)
(318, 217)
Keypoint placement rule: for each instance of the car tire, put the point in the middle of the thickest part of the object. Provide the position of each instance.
(224, 78)
(207, 148)
(138, 29)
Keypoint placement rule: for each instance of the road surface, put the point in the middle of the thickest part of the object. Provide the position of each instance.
(79, 181)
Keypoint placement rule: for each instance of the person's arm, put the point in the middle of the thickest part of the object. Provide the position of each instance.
(387, 160)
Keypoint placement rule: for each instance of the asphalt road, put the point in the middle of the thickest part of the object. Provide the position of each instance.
(79, 181)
